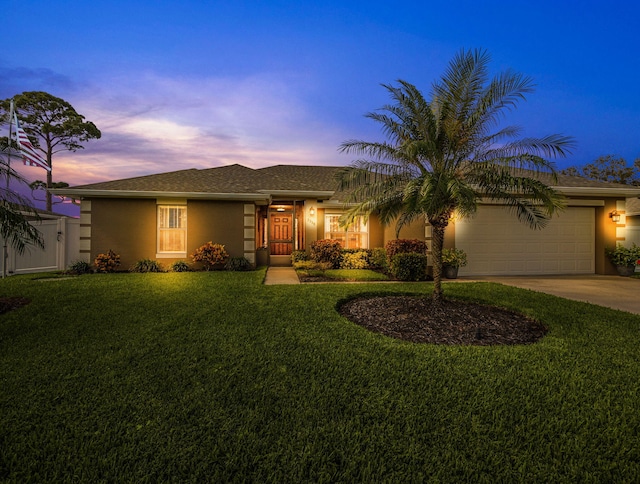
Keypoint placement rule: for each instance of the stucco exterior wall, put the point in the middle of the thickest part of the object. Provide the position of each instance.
(126, 226)
(216, 221)
(413, 231)
(129, 228)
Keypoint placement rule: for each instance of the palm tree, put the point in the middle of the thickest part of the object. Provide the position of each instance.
(445, 154)
(15, 229)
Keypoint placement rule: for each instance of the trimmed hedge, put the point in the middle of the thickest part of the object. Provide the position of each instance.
(327, 250)
(355, 260)
(409, 266)
(405, 246)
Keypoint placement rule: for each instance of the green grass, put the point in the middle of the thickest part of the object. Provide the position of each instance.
(214, 377)
(352, 275)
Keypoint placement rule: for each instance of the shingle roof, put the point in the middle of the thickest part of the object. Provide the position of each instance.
(238, 179)
(224, 179)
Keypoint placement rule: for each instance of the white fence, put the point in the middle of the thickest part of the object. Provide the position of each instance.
(61, 248)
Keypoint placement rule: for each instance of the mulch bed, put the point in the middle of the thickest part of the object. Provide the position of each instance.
(10, 303)
(415, 319)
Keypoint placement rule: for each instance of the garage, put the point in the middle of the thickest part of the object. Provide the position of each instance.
(498, 244)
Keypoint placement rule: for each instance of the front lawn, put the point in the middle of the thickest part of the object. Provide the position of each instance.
(349, 275)
(214, 377)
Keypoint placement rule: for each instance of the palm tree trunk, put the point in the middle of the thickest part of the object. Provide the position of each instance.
(437, 241)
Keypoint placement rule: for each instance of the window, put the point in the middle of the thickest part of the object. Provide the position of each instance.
(355, 236)
(172, 229)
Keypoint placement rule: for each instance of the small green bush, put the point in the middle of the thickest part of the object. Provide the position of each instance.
(378, 258)
(327, 250)
(238, 264)
(299, 255)
(79, 267)
(211, 255)
(355, 260)
(454, 257)
(108, 262)
(410, 266)
(146, 265)
(405, 246)
(310, 265)
(624, 256)
(180, 266)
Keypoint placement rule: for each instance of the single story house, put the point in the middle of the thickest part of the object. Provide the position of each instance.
(264, 214)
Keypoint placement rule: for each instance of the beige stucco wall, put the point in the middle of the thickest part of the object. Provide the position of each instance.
(413, 231)
(128, 227)
(218, 222)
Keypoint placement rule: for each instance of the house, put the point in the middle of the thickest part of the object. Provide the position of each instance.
(264, 214)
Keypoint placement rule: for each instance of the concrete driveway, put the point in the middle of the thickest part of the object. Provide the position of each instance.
(611, 291)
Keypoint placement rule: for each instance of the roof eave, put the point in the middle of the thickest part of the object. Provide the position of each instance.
(317, 194)
(602, 192)
(80, 193)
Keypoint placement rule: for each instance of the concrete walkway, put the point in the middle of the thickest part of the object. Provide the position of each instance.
(610, 291)
(281, 275)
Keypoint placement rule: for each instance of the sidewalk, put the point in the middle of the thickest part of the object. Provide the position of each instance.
(281, 275)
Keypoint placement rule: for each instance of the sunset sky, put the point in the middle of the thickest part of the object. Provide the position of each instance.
(198, 84)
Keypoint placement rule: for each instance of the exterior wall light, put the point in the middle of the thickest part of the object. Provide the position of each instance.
(312, 211)
(615, 216)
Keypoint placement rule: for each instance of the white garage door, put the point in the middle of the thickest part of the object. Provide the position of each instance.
(498, 244)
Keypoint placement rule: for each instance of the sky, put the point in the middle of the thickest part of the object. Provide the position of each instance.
(200, 84)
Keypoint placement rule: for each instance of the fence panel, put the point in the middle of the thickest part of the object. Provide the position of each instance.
(61, 247)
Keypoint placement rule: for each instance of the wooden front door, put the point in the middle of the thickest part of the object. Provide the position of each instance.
(281, 233)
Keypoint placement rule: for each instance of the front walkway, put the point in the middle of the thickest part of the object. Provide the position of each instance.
(281, 275)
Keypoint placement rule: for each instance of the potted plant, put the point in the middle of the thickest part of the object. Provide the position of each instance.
(624, 258)
(452, 259)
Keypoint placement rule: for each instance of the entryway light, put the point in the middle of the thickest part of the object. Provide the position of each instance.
(615, 216)
(312, 211)
(280, 209)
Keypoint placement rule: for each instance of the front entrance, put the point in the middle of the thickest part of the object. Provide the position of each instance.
(281, 233)
(285, 231)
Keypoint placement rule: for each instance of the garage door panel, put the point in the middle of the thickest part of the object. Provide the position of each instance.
(496, 243)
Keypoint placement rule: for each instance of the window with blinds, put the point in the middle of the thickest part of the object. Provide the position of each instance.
(355, 236)
(172, 229)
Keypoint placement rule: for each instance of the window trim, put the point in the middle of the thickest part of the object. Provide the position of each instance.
(363, 233)
(164, 205)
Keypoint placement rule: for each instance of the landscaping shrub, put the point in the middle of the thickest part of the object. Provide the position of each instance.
(378, 258)
(238, 264)
(327, 250)
(454, 257)
(211, 255)
(299, 255)
(354, 260)
(310, 265)
(108, 262)
(405, 246)
(410, 266)
(79, 267)
(146, 265)
(180, 266)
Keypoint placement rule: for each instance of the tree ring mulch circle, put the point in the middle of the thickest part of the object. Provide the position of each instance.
(10, 303)
(415, 319)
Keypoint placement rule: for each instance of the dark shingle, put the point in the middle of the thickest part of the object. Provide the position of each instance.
(240, 179)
